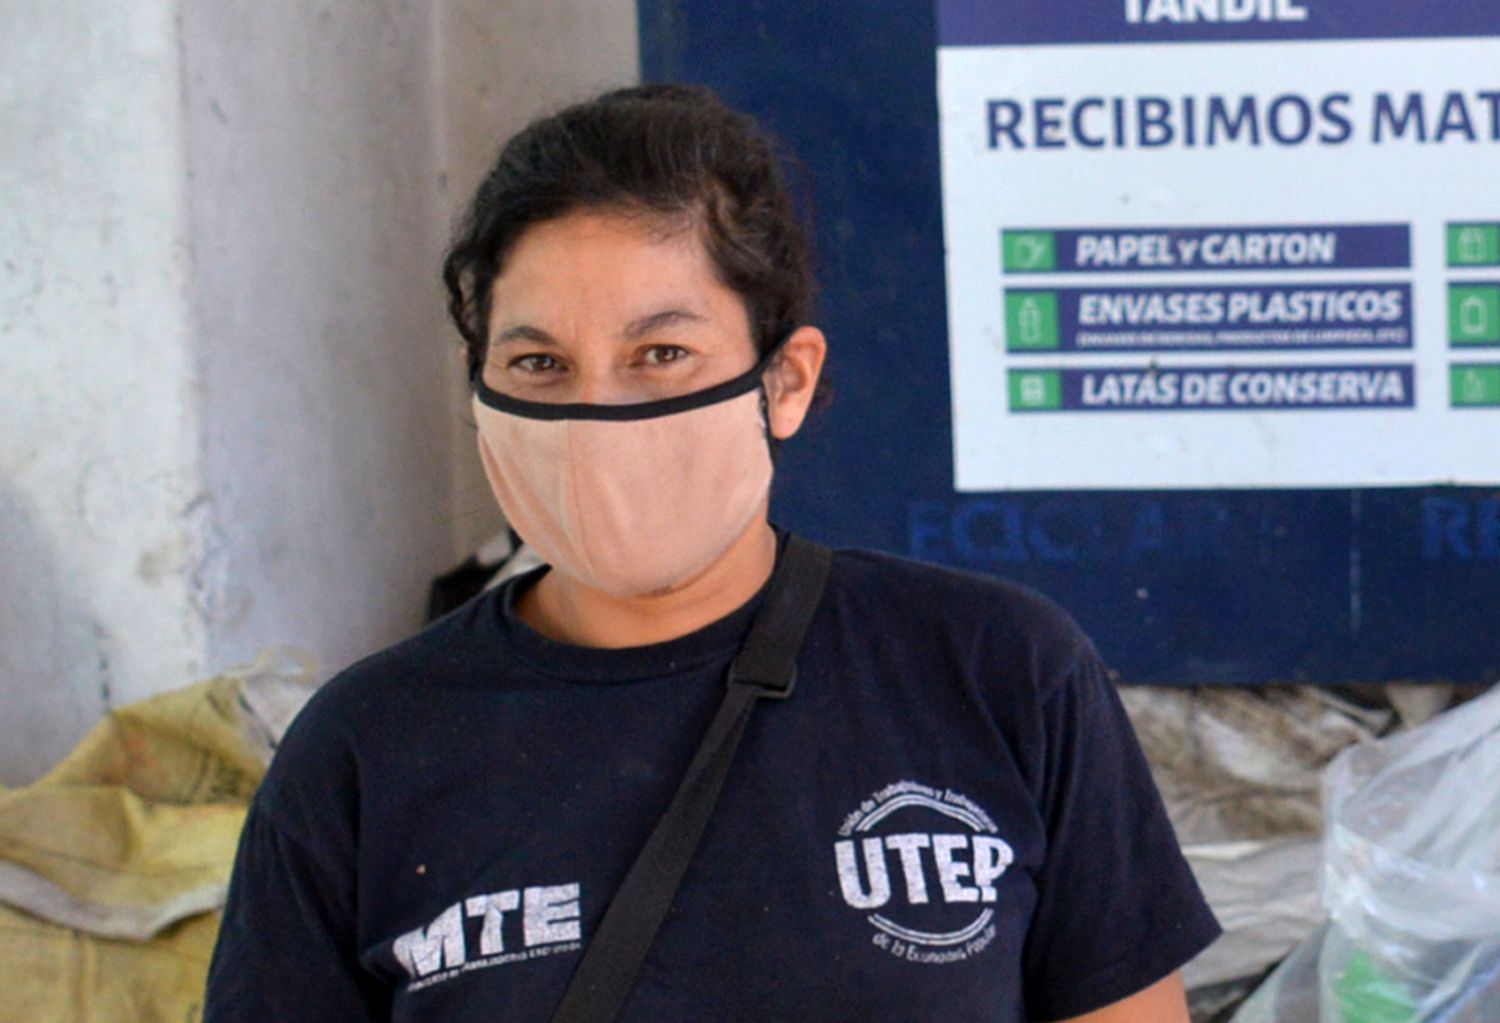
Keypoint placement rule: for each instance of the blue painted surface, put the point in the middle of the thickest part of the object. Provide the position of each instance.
(1219, 587)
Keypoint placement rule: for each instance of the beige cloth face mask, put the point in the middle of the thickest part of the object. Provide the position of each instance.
(629, 499)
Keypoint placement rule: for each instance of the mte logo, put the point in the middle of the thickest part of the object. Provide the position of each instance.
(472, 933)
(925, 860)
(1151, 12)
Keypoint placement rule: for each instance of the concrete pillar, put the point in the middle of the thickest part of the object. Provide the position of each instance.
(314, 213)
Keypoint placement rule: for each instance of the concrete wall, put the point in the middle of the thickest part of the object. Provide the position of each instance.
(233, 411)
(100, 489)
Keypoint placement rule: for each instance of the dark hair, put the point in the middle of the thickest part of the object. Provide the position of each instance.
(669, 151)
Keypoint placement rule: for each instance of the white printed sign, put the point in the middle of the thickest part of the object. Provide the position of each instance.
(1216, 261)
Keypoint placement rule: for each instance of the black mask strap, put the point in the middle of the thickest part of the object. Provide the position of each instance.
(732, 388)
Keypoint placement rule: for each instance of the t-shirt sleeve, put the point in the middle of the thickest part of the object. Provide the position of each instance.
(286, 947)
(1117, 907)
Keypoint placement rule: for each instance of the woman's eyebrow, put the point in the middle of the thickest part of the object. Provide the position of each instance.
(655, 321)
(526, 333)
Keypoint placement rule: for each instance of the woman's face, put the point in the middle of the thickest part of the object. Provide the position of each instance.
(609, 309)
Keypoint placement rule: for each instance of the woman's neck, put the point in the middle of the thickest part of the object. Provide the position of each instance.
(563, 609)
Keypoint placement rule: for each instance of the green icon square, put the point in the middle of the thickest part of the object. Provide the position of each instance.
(1474, 314)
(1035, 390)
(1473, 386)
(1031, 321)
(1028, 251)
(1474, 244)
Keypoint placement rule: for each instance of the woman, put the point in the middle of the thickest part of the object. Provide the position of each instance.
(948, 819)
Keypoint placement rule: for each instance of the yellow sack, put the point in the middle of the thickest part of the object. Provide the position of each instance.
(52, 974)
(118, 855)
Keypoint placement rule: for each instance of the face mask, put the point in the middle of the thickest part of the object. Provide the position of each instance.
(629, 499)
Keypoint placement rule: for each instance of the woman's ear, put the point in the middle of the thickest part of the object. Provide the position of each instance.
(792, 380)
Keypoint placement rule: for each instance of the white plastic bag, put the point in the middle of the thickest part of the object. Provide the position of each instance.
(1411, 882)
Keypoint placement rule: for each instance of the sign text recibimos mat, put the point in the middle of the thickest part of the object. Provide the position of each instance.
(1222, 243)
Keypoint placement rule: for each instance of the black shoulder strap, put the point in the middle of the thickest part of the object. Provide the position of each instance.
(765, 668)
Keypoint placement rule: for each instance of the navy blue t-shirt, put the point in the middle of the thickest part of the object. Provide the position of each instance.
(949, 819)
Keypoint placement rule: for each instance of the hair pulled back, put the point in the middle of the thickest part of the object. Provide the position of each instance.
(669, 152)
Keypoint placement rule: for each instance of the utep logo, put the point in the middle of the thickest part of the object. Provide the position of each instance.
(925, 862)
(472, 933)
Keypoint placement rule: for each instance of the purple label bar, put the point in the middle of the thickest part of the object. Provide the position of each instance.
(1031, 22)
(1258, 247)
(1261, 388)
(1300, 317)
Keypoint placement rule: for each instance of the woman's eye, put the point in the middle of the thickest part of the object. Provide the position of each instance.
(657, 355)
(534, 363)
